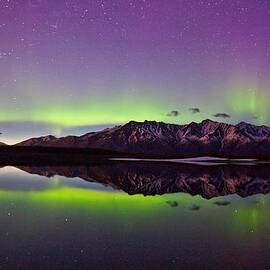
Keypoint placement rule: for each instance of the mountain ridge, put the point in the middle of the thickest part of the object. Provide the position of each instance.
(207, 138)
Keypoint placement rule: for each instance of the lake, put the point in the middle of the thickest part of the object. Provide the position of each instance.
(135, 215)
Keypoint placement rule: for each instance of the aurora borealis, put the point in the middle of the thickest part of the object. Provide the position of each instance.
(75, 66)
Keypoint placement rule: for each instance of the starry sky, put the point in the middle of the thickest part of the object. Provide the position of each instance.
(68, 67)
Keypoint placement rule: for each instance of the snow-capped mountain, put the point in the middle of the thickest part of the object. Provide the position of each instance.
(208, 138)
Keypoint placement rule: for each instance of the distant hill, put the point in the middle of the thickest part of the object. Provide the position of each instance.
(208, 138)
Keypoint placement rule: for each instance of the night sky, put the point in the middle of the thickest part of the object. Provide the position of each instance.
(68, 67)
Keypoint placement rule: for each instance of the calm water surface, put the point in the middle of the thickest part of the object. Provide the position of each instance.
(58, 222)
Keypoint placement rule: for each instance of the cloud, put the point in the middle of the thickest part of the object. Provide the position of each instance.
(195, 207)
(172, 203)
(173, 113)
(195, 110)
(222, 203)
(222, 115)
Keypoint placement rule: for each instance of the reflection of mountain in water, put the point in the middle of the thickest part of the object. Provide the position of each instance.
(159, 178)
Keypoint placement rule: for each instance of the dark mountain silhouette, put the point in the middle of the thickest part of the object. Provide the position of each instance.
(151, 178)
(208, 138)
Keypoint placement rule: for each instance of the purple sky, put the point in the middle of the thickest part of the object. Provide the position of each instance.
(70, 64)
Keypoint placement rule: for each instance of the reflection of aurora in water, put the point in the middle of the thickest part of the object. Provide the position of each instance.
(245, 216)
(78, 225)
(59, 194)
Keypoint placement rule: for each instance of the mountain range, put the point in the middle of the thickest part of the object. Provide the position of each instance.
(150, 138)
(152, 178)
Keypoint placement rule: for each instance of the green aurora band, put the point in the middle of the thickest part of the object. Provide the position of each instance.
(96, 111)
(127, 106)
